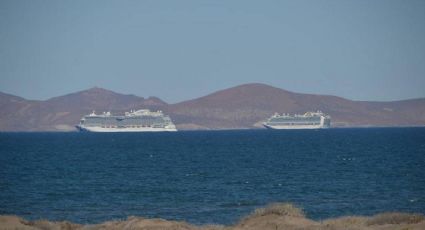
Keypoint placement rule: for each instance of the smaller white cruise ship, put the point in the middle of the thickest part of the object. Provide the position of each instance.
(309, 120)
(142, 120)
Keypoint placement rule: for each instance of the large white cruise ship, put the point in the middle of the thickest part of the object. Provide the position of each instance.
(309, 120)
(142, 120)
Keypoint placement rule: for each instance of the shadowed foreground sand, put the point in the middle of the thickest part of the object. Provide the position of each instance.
(275, 216)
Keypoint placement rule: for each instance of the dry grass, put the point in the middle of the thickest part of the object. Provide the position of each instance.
(281, 209)
(395, 218)
(281, 216)
(45, 224)
(214, 227)
(346, 222)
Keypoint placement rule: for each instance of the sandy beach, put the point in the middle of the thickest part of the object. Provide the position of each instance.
(272, 217)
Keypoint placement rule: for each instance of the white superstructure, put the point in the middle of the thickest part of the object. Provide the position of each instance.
(309, 120)
(142, 120)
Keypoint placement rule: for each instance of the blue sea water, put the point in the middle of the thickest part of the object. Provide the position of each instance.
(211, 177)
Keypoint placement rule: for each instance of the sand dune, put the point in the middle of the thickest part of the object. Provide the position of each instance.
(275, 216)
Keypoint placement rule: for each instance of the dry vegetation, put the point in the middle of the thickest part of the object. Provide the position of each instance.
(395, 218)
(280, 209)
(282, 216)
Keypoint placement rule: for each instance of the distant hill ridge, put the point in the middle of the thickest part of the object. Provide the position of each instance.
(240, 107)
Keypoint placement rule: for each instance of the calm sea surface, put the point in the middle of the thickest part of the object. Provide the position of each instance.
(211, 177)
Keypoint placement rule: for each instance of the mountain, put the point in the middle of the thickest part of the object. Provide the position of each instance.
(11, 108)
(244, 106)
(64, 112)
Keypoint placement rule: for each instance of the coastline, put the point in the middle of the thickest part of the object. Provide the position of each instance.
(271, 217)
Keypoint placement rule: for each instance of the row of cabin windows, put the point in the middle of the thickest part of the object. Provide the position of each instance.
(130, 126)
(313, 119)
(122, 122)
(295, 123)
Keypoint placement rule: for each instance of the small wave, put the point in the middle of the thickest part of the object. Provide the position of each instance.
(239, 204)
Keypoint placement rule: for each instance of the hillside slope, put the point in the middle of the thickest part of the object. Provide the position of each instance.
(64, 112)
(240, 107)
(247, 105)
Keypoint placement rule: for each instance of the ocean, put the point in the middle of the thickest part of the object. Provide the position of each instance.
(211, 176)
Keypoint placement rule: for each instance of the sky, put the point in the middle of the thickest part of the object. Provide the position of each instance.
(178, 50)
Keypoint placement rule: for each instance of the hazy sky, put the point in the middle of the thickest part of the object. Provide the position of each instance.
(178, 50)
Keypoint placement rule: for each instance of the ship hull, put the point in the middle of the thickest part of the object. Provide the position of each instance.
(295, 126)
(122, 130)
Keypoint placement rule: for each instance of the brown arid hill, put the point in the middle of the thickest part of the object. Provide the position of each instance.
(281, 216)
(240, 107)
(11, 111)
(247, 105)
(64, 112)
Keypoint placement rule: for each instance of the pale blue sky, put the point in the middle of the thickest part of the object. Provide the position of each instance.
(178, 50)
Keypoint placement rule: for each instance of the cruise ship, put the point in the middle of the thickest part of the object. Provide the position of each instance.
(309, 120)
(142, 120)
